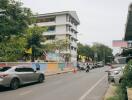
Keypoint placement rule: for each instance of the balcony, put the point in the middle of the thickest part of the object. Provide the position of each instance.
(47, 42)
(49, 33)
(73, 52)
(72, 34)
(72, 26)
(46, 23)
(73, 44)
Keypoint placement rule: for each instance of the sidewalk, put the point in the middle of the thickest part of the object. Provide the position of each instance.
(110, 92)
(59, 72)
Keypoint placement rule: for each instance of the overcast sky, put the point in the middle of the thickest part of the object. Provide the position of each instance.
(101, 20)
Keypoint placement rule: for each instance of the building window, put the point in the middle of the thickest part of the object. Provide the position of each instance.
(50, 28)
(50, 19)
(72, 39)
(75, 49)
(72, 48)
(50, 37)
(68, 36)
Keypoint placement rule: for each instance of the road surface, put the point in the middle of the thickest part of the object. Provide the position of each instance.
(68, 86)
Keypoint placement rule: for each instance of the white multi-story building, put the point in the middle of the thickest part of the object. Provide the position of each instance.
(61, 25)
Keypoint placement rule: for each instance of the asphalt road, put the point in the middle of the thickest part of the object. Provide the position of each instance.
(68, 86)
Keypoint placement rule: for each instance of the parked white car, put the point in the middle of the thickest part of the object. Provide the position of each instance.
(116, 75)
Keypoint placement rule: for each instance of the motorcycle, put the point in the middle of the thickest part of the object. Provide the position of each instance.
(87, 69)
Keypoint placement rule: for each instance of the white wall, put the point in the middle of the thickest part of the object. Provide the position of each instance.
(61, 19)
(61, 29)
(59, 37)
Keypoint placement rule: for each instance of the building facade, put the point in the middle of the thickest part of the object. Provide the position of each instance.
(61, 25)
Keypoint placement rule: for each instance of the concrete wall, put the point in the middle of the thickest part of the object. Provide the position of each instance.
(60, 29)
(47, 67)
(59, 37)
(61, 19)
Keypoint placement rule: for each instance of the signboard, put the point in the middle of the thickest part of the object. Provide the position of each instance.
(120, 43)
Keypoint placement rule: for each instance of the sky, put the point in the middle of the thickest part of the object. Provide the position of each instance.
(101, 20)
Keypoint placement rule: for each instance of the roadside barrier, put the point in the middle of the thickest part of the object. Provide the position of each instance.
(48, 68)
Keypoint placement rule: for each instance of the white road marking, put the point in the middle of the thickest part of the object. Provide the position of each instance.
(25, 93)
(91, 89)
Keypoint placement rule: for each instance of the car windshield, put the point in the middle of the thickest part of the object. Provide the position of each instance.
(3, 69)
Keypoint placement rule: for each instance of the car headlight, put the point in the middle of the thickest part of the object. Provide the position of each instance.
(117, 72)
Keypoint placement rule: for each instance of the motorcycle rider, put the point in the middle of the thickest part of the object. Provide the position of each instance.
(87, 67)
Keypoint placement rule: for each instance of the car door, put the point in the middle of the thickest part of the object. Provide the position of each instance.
(23, 74)
(31, 74)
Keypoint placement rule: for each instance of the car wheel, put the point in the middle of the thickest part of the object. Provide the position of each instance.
(41, 78)
(14, 84)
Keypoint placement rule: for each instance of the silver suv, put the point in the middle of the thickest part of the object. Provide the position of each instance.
(15, 76)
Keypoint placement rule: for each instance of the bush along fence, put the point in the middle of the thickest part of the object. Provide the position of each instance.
(48, 68)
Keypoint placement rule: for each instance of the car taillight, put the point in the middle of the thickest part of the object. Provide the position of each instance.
(3, 75)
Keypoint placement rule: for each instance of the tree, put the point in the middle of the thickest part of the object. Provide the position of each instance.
(12, 49)
(103, 52)
(60, 46)
(34, 39)
(85, 50)
(15, 19)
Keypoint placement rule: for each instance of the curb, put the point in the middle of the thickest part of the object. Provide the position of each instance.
(57, 73)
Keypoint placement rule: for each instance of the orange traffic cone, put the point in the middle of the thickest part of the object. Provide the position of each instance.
(74, 70)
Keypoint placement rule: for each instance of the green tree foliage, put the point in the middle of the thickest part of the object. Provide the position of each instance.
(14, 19)
(60, 46)
(128, 74)
(103, 52)
(34, 39)
(126, 81)
(12, 49)
(85, 50)
(14, 28)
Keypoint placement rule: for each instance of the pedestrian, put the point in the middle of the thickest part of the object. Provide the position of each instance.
(37, 65)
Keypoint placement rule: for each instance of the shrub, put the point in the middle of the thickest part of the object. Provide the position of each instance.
(121, 92)
(118, 94)
(127, 78)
